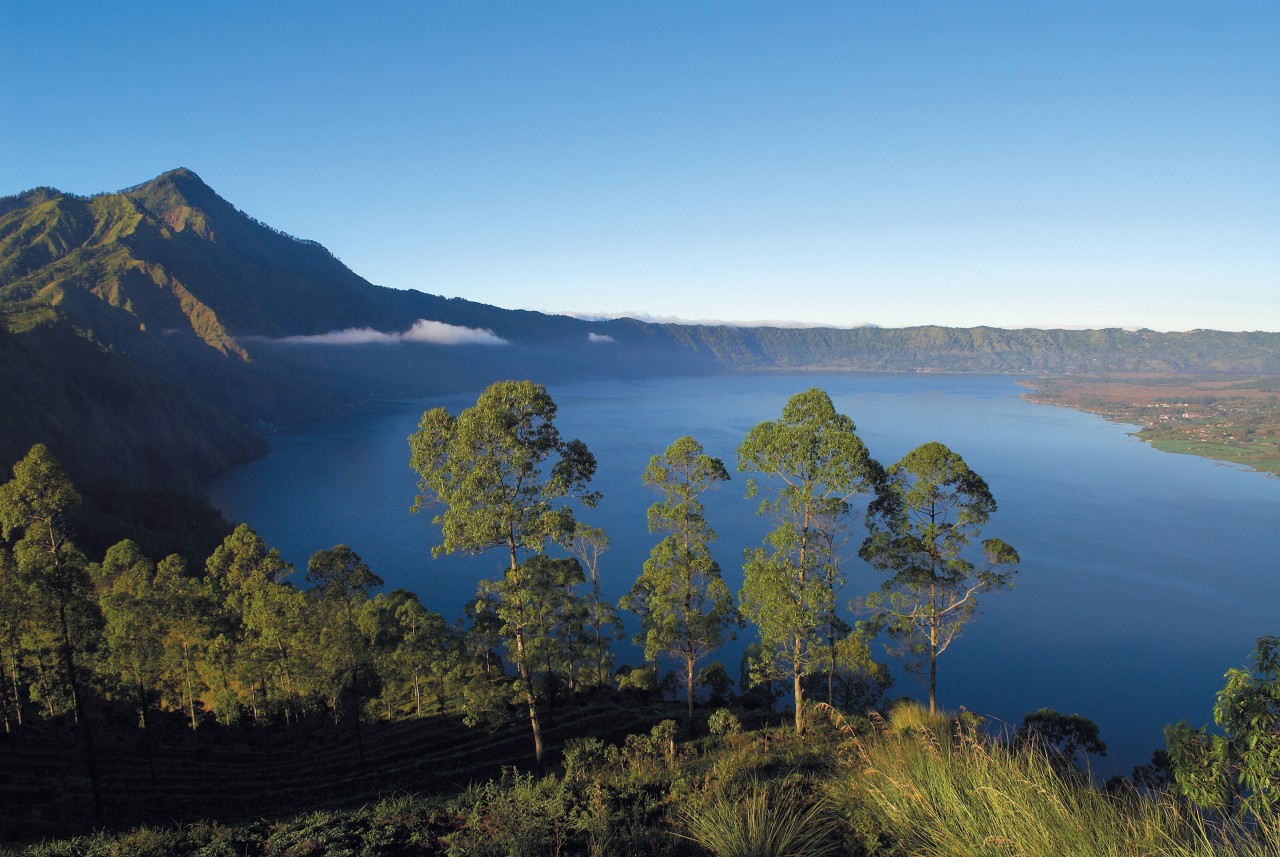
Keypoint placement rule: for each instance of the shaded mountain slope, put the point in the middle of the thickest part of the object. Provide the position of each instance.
(136, 445)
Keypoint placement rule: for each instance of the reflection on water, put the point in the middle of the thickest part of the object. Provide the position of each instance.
(1144, 575)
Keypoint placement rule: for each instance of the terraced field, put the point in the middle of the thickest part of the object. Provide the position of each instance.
(242, 774)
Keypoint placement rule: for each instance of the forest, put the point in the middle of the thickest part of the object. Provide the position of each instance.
(154, 706)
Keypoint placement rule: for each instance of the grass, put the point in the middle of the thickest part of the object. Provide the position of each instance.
(937, 794)
(1259, 454)
(763, 821)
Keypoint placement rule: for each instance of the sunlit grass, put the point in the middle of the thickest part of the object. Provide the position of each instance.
(761, 822)
(934, 794)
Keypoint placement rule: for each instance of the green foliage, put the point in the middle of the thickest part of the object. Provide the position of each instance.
(714, 679)
(931, 507)
(485, 467)
(502, 474)
(1236, 773)
(50, 574)
(853, 680)
(684, 606)
(724, 723)
(1062, 736)
(815, 465)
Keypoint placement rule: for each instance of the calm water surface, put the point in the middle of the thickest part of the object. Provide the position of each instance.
(1144, 575)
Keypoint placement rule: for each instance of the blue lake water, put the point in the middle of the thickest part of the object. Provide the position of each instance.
(1144, 575)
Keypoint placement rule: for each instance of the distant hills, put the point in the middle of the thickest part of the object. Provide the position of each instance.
(144, 332)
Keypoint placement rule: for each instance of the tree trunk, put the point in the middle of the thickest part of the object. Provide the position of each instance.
(17, 696)
(831, 674)
(523, 664)
(796, 671)
(688, 674)
(933, 650)
(191, 691)
(595, 617)
(441, 697)
(357, 712)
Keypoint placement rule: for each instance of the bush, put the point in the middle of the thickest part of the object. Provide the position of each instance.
(583, 757)
(724, 722)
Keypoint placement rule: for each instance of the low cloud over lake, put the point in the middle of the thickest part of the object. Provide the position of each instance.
(423, 330)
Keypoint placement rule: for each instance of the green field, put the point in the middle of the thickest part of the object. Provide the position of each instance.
(1258, 455)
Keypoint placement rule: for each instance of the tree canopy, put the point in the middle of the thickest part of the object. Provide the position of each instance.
(685, 608)
(503, 476)
(932, 506)
(809, 465)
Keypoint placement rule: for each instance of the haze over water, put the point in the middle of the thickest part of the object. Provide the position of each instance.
(1144, 575)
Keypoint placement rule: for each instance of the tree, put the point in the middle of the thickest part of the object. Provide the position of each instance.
(501, 473)
(715, 679)
(134, 623)
(932, 506)
(1063, 736)
(854, 681)
(188, 607)
(588, 543)
(1237, 772)
(543, 604)
(342, 581)
(262, 620)
(684, 606)
(415, 646)
(15, 628)
(815, 465)
(33, 509)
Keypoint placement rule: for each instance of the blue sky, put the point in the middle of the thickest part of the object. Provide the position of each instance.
(1029, 163)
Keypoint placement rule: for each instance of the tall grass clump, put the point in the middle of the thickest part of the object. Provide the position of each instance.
(959, 795)
(761, 822)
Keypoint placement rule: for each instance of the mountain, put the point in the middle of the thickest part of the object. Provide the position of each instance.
(191, 289)
(984, 349)
(145, 331)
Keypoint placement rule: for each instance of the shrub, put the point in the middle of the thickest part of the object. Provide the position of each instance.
(583, 757)
(724, 722)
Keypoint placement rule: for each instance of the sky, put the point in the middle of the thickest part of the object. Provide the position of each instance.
(1035, 163)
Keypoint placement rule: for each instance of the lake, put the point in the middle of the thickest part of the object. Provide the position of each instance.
(1144, 575)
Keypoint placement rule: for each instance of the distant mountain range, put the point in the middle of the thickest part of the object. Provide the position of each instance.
(144, 333)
